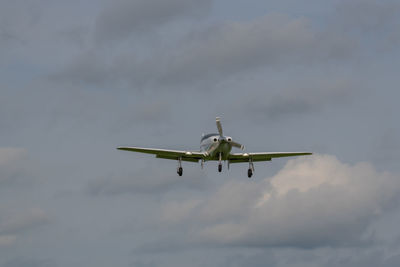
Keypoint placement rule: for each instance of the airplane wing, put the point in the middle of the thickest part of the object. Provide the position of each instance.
(168, 154)
(262, 156)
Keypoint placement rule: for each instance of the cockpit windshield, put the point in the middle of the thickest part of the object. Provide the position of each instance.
(207, 136)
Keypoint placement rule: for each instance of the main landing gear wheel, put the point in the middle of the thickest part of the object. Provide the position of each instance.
(180, 171)
(251, 168)
(249, 173)
(220, 167)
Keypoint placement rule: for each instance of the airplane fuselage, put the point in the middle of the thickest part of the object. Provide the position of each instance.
(215, 145)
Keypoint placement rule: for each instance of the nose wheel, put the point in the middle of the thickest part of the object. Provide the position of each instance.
(219, 162)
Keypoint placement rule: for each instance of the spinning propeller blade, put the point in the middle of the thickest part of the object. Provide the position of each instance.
(234, 144)
(219, 126)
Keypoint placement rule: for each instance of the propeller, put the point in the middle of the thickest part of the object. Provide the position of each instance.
(219, 126)
(234, 144)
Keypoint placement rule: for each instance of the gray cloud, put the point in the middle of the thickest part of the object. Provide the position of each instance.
(388, 145)
(15, 225)
(11, 223)
(299, 97)
(216, 53)
(368, 16)
(365, 258)
(24, 262)
(145, 181)
(236, 47)
(375, 23)
(157, 82)
(122, 18)
(260, 259)
(14, 166)
(16, 19)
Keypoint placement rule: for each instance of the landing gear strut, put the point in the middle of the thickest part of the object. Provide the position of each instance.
(220, 164)
(251, 169)
(180, 169)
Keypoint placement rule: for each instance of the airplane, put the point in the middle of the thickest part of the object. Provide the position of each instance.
(214, 147)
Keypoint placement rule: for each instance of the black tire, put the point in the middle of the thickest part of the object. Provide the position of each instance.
(180, 171)
(249, 173)
(220, 167)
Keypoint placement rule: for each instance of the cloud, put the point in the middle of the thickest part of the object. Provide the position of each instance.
(300, 96)
(215, 53)
(362, 258)
(312, 202)
(388, 146)
(260, 259)
(235, 47)
(16, 19)
(14, 225)
(375, 23)
(145, 181)
(7, 240)
(122, 18)
(24, 262)
(13, 165)
(239, 47)
(22, 222)
(368, 16)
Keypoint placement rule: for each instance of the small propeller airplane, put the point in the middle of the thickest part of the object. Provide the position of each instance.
(217, 147)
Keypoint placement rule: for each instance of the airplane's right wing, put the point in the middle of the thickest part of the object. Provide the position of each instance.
(262, 156)
(192, 156)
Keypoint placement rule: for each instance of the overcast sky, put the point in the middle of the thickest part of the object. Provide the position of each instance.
(79, 78)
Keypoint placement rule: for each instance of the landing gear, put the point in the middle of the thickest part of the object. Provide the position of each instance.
(251, 169)
(219, 162)
(249, 173)
(180, 169)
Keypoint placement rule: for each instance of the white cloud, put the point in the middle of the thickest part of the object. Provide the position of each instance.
(311, 202)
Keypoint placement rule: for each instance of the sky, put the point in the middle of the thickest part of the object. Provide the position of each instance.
(80, 78)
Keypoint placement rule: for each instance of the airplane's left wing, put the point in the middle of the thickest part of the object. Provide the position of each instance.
(262, 156)
(168, 154)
